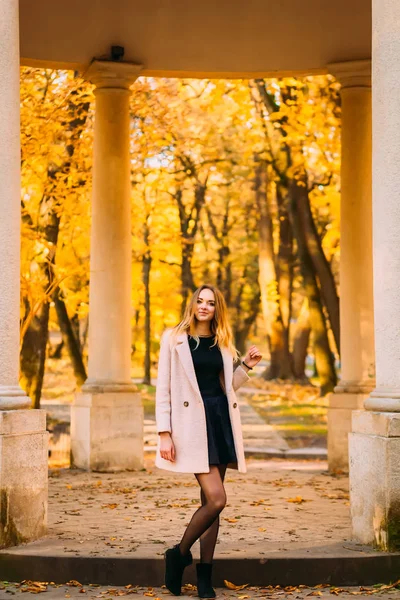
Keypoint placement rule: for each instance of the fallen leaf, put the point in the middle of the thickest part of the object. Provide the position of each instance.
(298, 500)
(232, 586)
(231, 520)
(35, 587)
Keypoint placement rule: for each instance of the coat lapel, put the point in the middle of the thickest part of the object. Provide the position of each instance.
(228, 368)
(185, 356)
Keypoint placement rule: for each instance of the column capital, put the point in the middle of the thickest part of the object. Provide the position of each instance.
(352, 73)
(112, 74)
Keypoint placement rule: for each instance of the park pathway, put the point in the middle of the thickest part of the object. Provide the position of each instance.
(258, 436)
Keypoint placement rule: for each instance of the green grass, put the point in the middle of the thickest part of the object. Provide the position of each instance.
(148, 393)
(296, 412)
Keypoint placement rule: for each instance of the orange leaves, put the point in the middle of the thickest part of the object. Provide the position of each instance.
(34, 587)
(259, 502)
(232, 586)
(231, 520)
(297, 500)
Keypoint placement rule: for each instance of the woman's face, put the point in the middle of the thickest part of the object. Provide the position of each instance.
(205, 307)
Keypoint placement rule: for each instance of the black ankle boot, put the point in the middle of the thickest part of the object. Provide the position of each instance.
(175, 564)
(204, 587)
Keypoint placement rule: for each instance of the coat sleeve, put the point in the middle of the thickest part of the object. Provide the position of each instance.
(239, 377)
(163, 387)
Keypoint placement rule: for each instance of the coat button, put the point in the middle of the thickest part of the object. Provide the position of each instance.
(186, 404)
(234, 405)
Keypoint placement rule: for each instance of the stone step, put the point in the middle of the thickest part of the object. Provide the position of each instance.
(340, 564)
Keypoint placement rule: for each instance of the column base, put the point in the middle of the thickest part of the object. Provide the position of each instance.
(23, 476)
(107, 431)
(341, 406)
(374, 448)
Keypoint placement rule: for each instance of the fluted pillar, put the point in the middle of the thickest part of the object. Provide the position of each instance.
(23, 436)
(107, 418)
(375, 441)
(356, 289)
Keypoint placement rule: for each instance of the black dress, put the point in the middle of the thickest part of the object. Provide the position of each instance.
(208, 364)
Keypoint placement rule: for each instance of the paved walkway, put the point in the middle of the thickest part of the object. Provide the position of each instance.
(278, 506)
(288, 520)
(258, 436)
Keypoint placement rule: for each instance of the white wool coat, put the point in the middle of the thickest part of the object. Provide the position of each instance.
(180, 408)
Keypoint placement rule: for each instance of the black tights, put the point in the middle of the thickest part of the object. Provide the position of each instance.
(204, 524)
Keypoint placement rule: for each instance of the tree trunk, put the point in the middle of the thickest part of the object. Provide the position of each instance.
(242, 326)
(69, 338)
(33, 355)
(301, 342)
(75, 324)
(33, 352)
(146, 269)
(187, 282)
(284, 262)
(280, 364)
(57, 353)
(323, 356)
(321, 265)
(189, 223)
(224, 267)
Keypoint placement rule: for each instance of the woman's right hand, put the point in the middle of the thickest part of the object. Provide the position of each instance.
(167, 448)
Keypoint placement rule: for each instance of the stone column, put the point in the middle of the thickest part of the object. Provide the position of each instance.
(356, 293)
(23, 436)
(374, 444)
(107, 415)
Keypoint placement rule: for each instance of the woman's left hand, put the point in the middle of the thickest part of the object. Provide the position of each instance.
(253, 356)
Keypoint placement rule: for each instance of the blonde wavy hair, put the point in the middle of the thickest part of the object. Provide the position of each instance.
(219, 326)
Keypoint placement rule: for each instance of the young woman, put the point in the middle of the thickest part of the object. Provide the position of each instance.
(198, 422)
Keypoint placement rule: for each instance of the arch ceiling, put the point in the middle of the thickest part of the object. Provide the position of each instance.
(207, 38)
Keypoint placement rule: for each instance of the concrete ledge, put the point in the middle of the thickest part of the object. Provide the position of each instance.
(294, 453)
(107, 431)
(22, 422)
(385, 424)
(340, 566)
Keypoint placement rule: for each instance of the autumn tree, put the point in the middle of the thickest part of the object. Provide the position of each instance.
(52, 177)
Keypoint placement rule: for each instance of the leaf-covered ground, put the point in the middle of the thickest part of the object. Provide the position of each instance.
(74, 589)
(278, 506)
